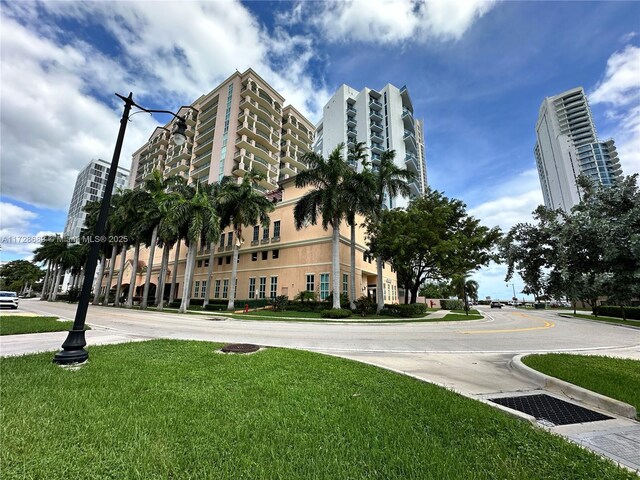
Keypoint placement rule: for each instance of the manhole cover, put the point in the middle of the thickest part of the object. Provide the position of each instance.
(550, 409)
(240, 348)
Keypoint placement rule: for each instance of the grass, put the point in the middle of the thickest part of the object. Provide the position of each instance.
(18, 324)
(176, 409)
(458, 315)
(617, 378)
(600, 318)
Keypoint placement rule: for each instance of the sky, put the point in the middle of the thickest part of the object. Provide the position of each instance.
(477, 72)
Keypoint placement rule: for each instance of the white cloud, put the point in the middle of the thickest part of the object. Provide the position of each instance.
(619, 90)
(57, 105)
(511, 202)
(17, 238)
(393, 21)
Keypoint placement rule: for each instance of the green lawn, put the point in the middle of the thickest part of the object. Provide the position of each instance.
(457, 315)
(176, 409)
(614, 377)
(17, 324)
(600, 318)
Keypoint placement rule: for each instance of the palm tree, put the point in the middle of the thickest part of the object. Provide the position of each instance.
(46, 253)
(199, 218)
(465, 289)
(241, 205)
(158, 187)
(358, 188)
(390, 180)
(138, 230)
(327, 199)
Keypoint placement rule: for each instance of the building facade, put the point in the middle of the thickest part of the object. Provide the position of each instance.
(276, 260)
(90, 186)
(383, 120)
(239, 126)
(567, 145)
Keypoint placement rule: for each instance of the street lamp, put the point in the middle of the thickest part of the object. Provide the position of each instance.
(73, 347)
(513, 285)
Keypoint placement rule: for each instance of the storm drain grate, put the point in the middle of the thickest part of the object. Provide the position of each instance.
(551, 409)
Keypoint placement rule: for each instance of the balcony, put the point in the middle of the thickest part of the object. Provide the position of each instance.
(201, 169)
(377, 147)
(257, 148)
(203, 147)
(288, 168)
(200, 158)
(376, 127)
(351, 132)
(376, 137)
(374, 104)
(175, 168)
(410, 140)
(351, 110)
(206, 134)
(351, 122)
(411, 162)
(375, 115)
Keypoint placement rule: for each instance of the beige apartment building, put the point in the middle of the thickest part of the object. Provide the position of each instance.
(241, 125)
(277, 260)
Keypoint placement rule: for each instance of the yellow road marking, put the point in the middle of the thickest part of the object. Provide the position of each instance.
(528, 329)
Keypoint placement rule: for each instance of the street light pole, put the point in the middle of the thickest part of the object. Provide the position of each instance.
(73, 347)
(513, 285)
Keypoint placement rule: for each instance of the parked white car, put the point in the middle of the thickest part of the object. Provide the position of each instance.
(9, 299)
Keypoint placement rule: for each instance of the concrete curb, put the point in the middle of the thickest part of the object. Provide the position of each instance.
(573, 391)
(624, 325)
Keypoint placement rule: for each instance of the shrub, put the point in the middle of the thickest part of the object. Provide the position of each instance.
(405, 310)
(175, 304)
(280, 303)
(215, 307)
(387, 312)
(307, 306)
(305, 296)
(632, 313)
(196, 302)
(365, 305)
(336, 313)
(344, 300)
(455, 304)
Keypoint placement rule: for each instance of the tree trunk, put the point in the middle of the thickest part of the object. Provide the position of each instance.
(414, 293)
(188, 276)
(112, 261)
(52, 282)
(98, 290)
(164, 264)
(54, 293)
(379, 292)
(352, 272)
(174, 273)
(43, 294)
(134, 273)
(147, 278)
(123, 260)
(335, 261)
(209, 274)
(234, 270)
(466, 301)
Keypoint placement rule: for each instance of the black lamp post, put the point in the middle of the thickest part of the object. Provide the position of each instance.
(73, 347)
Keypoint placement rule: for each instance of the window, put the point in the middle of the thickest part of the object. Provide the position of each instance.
(216, 292)
(345, 283)
(254, 257)
(311, 282)
(324, 286)
(203, 292)
(274, 287)
(252, 288)
(196, 289)
(235, 289)
(206, 262)
(275, 254)
(276, 229)
(256, 233)
(225, 288)
(263, 287)
(229, 239)
(219, 260)
(265, 255)
(222, 241)
(265, 233)
(199, 263)
(228, 260)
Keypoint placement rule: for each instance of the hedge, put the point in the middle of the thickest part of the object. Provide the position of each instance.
(404, 310)
(447, 304)
(632, 313)
(336, 313)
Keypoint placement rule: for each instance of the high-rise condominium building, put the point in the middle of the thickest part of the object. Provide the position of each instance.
(240, 125)
(567, 146)
(90, 185)
(383, 120)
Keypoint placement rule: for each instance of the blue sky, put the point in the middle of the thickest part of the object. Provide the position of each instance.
(477, 72)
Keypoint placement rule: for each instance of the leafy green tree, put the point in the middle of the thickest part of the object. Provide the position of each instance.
(326, 200)
(433, 238)
(242, 206)
(22, 273)
(390, 182)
